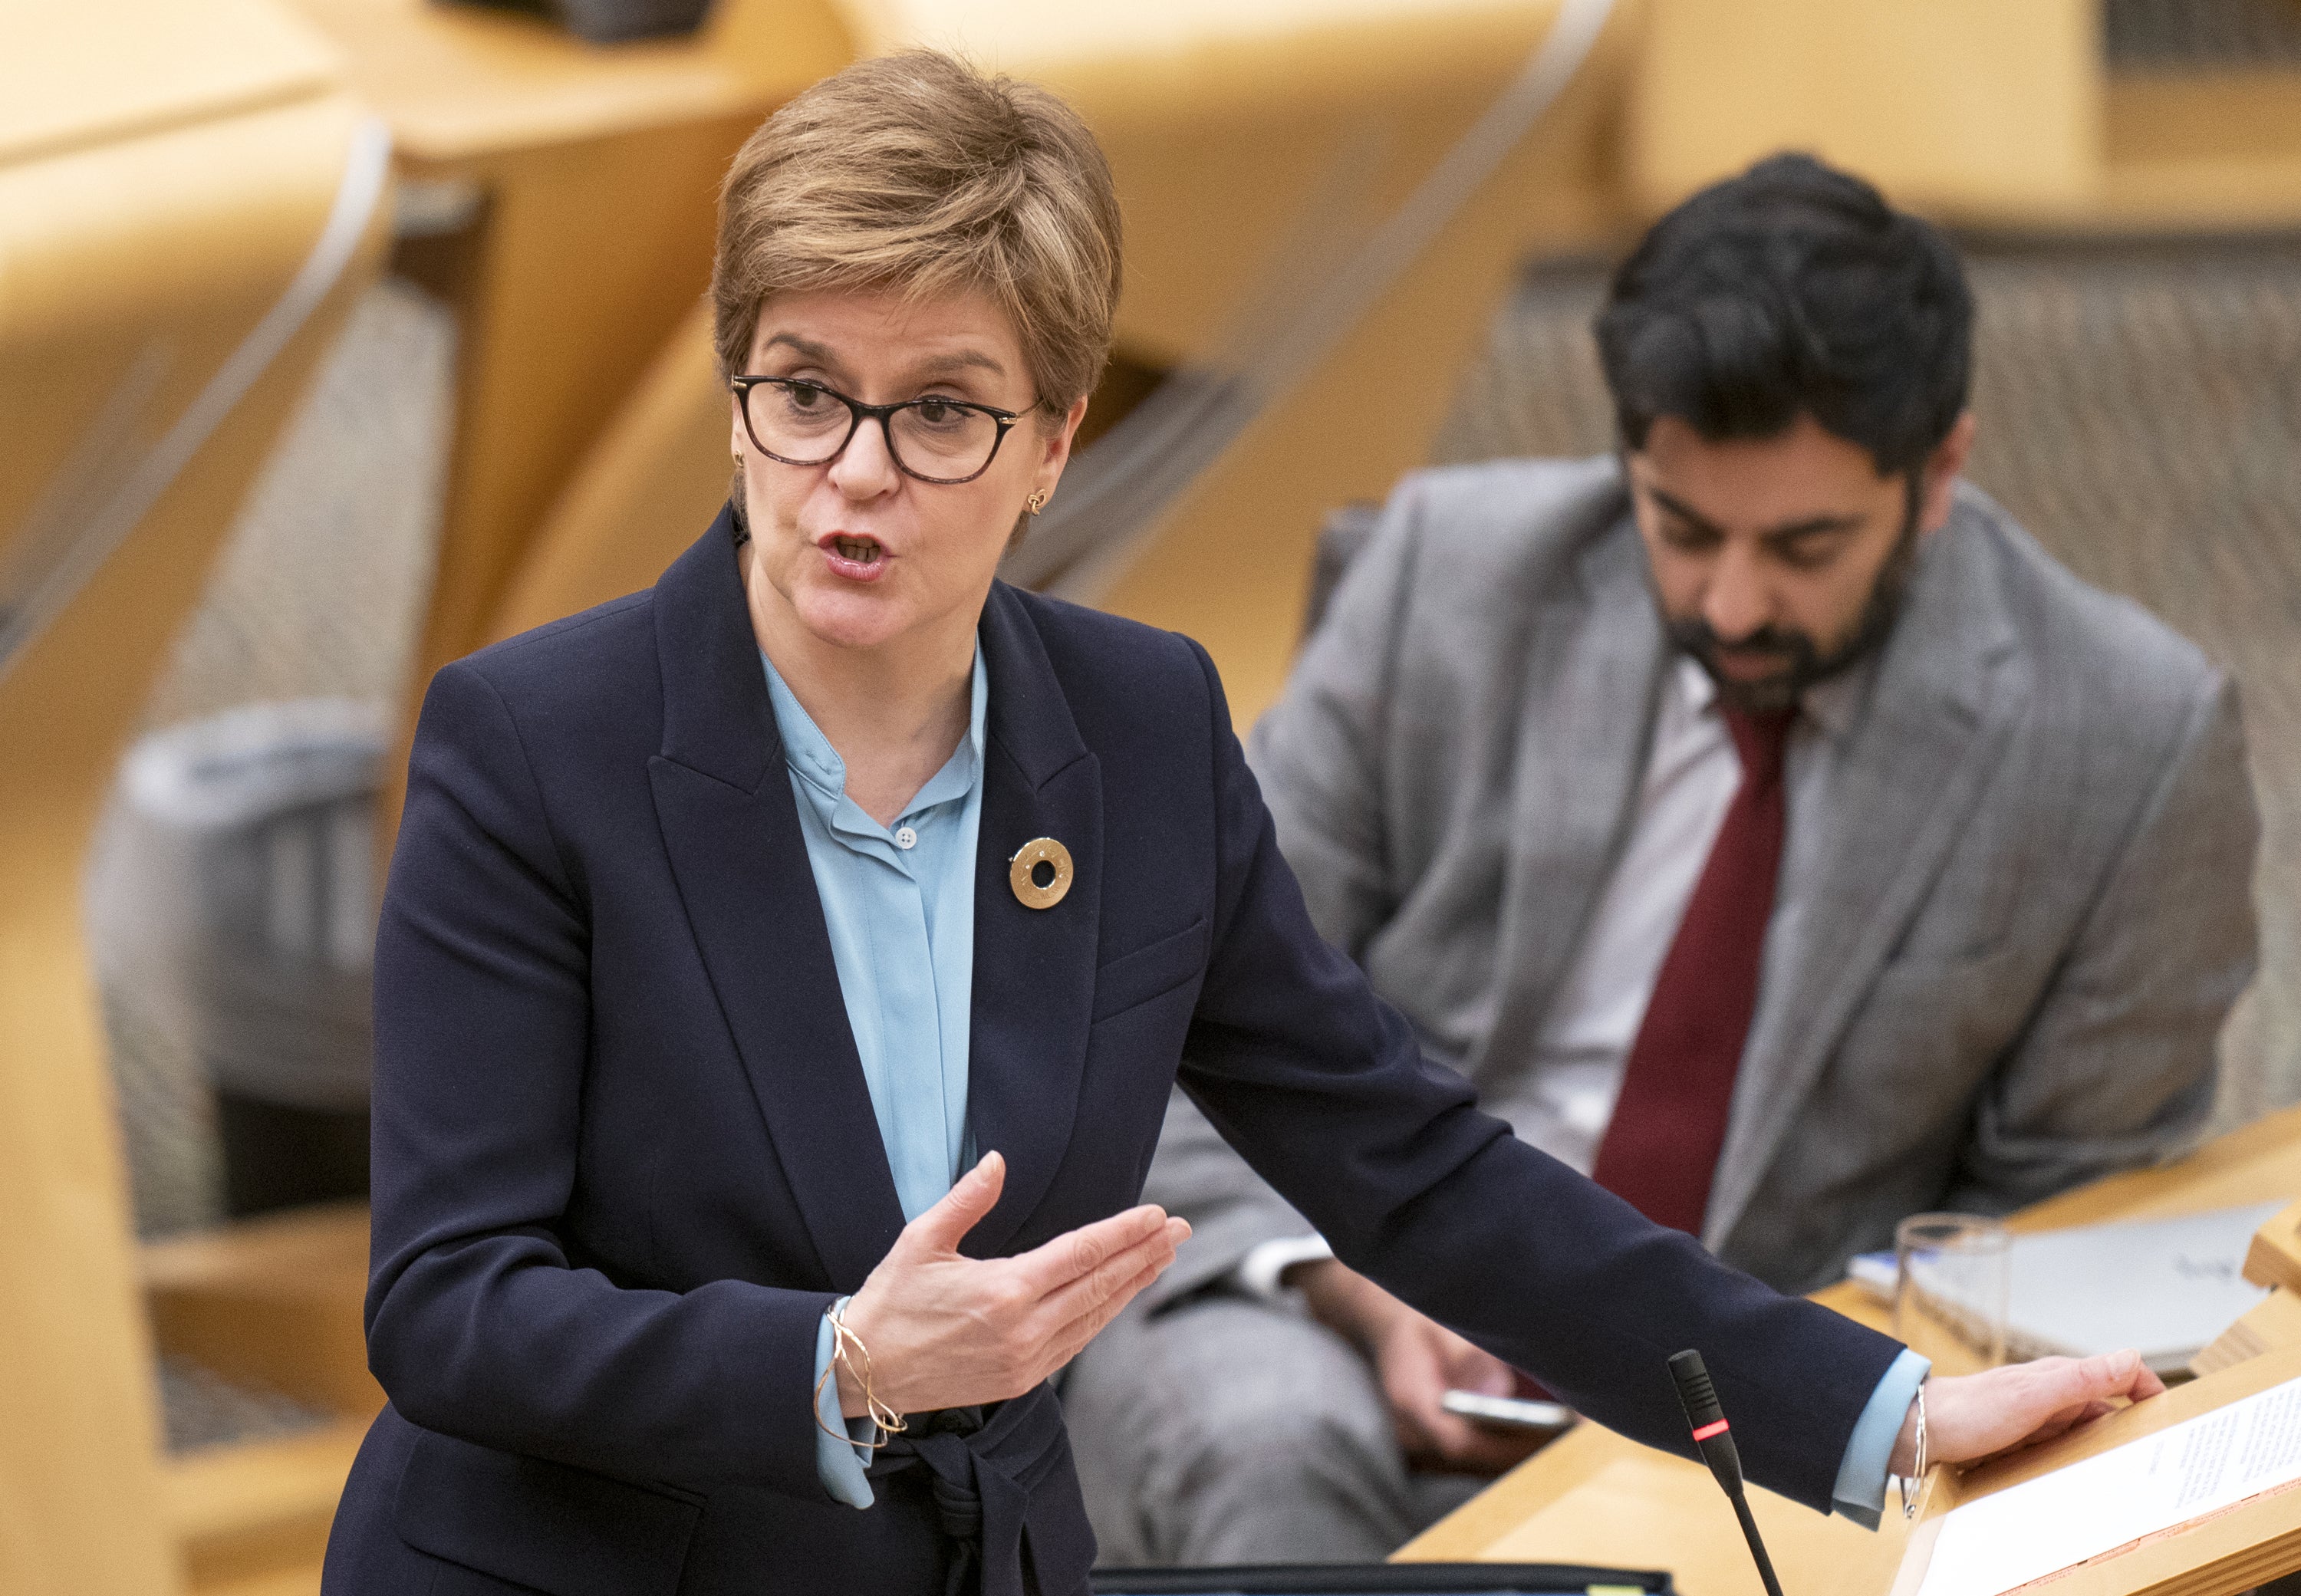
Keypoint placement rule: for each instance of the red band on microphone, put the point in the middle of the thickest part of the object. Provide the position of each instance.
(1707, 1430)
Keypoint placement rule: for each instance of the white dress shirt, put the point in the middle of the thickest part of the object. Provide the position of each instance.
(1564, 1099)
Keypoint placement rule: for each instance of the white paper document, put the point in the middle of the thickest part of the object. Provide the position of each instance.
(2199, 1466)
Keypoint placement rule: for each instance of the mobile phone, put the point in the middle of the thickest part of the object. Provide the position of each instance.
(1510, 1413)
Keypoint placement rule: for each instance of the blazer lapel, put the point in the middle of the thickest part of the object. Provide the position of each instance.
(1916, 763)
(730, 830)
(1591, 676)
(1033, 968)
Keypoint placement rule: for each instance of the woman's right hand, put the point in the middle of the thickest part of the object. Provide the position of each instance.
(947, 1331)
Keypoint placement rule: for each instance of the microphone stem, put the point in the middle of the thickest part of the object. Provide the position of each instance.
(1757, 1547)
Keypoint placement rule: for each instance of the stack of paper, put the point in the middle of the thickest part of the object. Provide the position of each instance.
(2101, 1504)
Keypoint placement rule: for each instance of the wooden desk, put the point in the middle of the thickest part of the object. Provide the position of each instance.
(1596, 1498)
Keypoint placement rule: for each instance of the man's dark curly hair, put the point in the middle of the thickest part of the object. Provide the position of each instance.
(1793, 289)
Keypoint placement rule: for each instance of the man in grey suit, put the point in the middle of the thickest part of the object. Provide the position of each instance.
(1761, 819)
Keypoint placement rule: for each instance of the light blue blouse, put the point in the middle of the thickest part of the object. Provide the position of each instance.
(899, 904)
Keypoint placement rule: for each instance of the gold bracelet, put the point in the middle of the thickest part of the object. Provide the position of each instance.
(851, 1345)
(846, 1347)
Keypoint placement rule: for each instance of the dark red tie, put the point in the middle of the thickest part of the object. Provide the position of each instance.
(1661, 1147)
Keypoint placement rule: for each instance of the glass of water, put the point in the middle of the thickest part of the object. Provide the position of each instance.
(1952, 1289)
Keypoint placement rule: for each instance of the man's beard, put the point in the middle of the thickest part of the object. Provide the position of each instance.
(1807, 664)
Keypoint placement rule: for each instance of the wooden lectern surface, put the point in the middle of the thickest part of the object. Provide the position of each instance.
(1593, 1497)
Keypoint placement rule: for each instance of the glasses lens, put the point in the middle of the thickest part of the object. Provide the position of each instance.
(796, 421)
(936, 437)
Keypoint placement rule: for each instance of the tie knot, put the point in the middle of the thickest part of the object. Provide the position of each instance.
(1759, 739)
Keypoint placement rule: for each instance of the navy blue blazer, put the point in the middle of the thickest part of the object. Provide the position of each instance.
(625, 1156)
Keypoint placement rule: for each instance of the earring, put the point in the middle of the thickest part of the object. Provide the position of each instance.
(1035, 503)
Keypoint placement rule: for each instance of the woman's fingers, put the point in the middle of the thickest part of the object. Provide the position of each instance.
(941, 1228)
(1078, 1311)
(1049, 1268)
(1110, 1284)
(2142, 1383)
(1978, 1416)
(1072, 1339)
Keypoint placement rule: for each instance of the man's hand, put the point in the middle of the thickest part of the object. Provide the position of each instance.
(1972, 1416)
(1417, 1360)
(948, 1330)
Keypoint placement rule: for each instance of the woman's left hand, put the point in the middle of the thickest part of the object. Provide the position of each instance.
(944, 1330)
(1972, 1416)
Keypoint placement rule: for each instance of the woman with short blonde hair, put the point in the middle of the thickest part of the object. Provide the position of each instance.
(913, 172)
(784, 972)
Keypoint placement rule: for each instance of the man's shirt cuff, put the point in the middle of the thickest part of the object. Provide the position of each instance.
(839, 1464)
(1261, 1272)
(1860, 1493)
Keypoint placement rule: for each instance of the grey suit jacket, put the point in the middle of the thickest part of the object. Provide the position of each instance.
(2026, 909)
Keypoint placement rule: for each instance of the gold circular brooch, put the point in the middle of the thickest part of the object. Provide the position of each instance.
(1040, 873)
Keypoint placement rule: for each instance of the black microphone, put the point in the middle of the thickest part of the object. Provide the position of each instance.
(1715, 1441)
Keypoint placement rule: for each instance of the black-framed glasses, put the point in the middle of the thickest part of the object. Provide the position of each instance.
(936, 439)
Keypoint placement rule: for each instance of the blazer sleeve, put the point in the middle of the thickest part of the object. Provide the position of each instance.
(480, 1324)
(1322, 1088)
(2116, 1067)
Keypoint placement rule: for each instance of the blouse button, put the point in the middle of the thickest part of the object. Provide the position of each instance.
(905, 838)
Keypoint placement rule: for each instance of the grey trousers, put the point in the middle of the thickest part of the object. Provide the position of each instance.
(1225, 1430)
